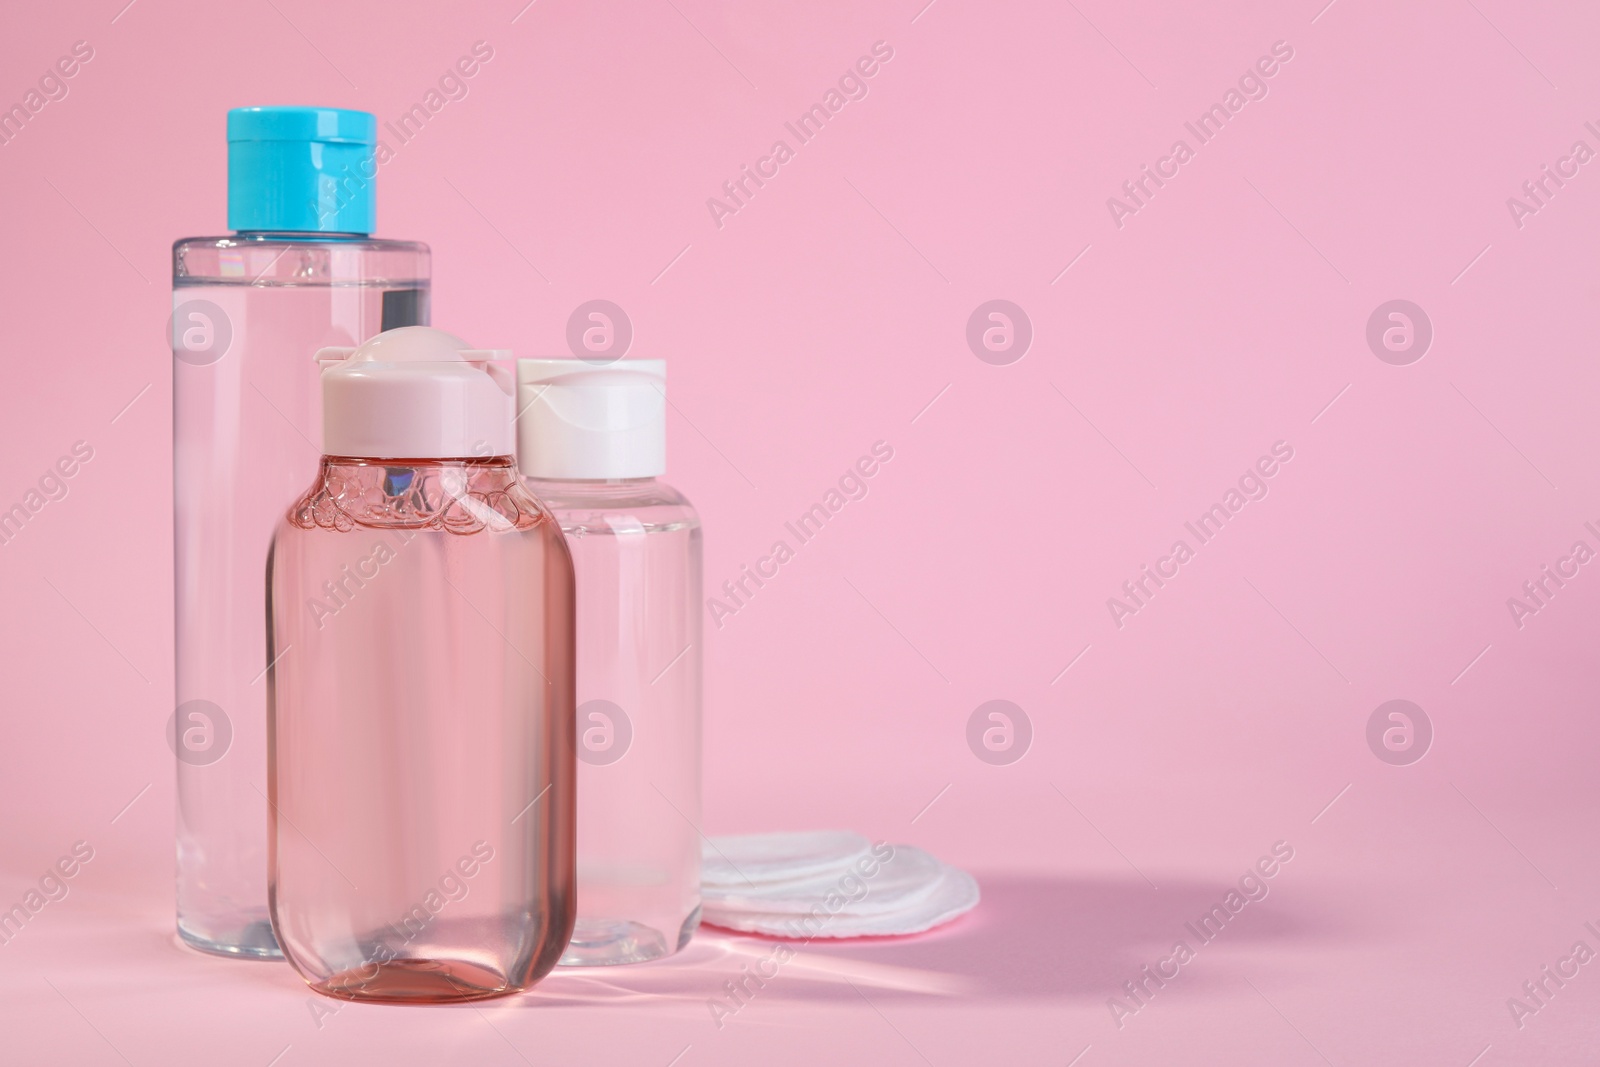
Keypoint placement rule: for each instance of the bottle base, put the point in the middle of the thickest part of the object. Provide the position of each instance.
(417, 981)
(609, 942)
(253, 942)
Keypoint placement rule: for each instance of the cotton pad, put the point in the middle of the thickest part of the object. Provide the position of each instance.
(905, 879)
(828, 884)
(955, 894)
(747, 859)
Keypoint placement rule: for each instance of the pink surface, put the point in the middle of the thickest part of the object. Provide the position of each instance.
(829, 312)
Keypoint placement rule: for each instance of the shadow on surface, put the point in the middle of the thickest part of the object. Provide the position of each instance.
(1032, 936)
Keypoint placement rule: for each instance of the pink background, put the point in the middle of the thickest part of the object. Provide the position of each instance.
(824, 316)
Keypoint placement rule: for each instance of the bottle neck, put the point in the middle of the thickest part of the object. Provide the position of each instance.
(298, 235)
(473, 465)
(578, 483)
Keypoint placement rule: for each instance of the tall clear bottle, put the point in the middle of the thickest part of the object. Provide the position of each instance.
(420, 708)
(591, 444)
(299, 273)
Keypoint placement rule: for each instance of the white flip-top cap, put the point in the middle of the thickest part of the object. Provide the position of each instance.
(415, 393)
(579, 420)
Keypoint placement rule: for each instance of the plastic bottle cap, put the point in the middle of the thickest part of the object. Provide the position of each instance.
(579, 420)
(301, 170)
(415, 393)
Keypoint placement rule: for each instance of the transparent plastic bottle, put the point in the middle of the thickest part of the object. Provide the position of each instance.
(421, 735)
(248, 312)
(591, 442)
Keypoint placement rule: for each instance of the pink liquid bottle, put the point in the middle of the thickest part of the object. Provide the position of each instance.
(420, 749)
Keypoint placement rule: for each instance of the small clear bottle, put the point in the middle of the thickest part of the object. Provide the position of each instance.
(420, 729)
(300, 273)
(591, 443)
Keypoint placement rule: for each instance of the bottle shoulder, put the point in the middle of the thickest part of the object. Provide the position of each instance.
(265, 260)
(300, 240)
(449, 496)
(625, 493)
(646, 504)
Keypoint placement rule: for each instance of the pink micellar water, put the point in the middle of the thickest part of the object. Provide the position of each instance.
(420, 725)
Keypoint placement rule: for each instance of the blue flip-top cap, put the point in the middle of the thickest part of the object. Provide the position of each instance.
(301, 170)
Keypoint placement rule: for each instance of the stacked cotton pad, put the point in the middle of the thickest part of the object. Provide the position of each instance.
(828, 883)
